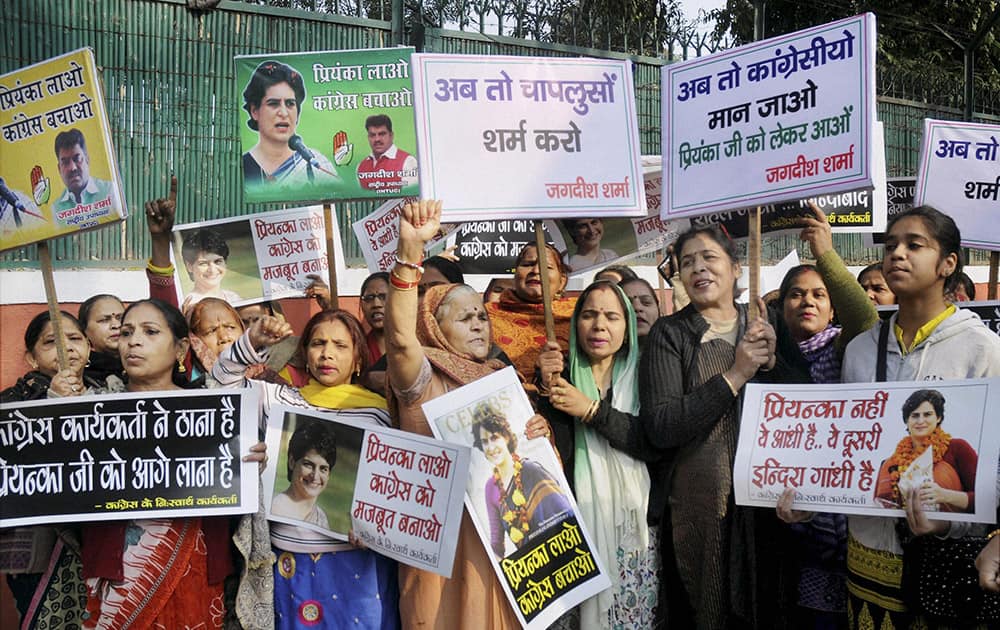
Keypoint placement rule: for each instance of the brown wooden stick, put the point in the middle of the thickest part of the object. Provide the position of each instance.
(45, 258)
(331, 258)
(991, 290)
(543, 271)
(753, 255)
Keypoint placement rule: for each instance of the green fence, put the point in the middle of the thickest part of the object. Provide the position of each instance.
(172, 100)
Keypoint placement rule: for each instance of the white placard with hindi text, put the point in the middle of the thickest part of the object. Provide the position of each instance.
(778, 120)
(526, 137)
(960, 174)
(846, 448)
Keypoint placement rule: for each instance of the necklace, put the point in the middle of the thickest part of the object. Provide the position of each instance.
(516, 517)
(905, 453)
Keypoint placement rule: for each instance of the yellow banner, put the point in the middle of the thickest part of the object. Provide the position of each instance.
(58, 172)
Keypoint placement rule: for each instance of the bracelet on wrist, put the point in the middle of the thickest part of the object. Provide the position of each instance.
(992, 534)
(414, 266)
(400, 284)
(587, 417)
(159, 271)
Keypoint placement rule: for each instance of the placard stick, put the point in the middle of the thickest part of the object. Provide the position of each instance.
(661, 294)
(543, 271)
(991, 291)
(331, 257)
(753, 262)
(45, 258)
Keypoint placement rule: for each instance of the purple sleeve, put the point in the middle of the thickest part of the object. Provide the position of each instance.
(492, 493)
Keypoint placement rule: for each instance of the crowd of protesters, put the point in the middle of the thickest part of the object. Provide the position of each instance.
(642, 408)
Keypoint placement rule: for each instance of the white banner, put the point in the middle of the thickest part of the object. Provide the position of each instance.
(398, 492)
(778, 120)
(856, 448)
(264, 256)
(960, 174)
(530, 525)
(378, 235)
(525, 137)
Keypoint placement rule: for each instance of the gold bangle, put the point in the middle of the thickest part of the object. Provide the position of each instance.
(992, 534)
(587, 417)
(159, 271)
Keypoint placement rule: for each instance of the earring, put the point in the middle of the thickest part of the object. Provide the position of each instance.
(180, 366)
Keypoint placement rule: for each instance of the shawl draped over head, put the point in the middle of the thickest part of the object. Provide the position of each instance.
(519, 327)
(612, 489)
(459, 366)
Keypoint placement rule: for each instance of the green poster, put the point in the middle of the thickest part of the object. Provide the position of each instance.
(327, 125)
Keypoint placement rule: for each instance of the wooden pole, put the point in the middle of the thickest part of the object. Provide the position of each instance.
(331, 257)
(753, 262)
(45, 258)
(991, 291)
(661, 295)
(543, 272)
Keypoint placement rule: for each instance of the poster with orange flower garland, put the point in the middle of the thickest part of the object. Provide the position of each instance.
(869, 448)
(519, 500)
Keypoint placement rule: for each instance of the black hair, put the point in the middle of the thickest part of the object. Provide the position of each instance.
(645, 282)
(872, 267)
(354, 329)
(582, 298)
(921, 396)
(624, 271)
(448, 268)
(69, 139)
(714, 232)
(378, 120)
(34, 330)
(203, 240)
(966, 282)
(267, 74)
(789, 279)
(178, 329)
(942, 229)
(84, 313)
(313, 435)
(486, 417)
(378, 275)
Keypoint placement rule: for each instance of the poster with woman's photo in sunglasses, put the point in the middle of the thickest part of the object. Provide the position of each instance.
(519, 499)
(327, 125)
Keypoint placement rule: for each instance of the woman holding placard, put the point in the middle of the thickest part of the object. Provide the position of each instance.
(27, 552)
(518, 317)
(310, 566)
(167, 571)
(598, 388)
(693, 369)
(926, 339)
(434, 348)
(812, 346)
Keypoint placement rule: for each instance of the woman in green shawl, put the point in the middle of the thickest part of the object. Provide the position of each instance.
(610, 480)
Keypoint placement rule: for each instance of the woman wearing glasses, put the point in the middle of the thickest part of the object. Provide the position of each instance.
(373, 293)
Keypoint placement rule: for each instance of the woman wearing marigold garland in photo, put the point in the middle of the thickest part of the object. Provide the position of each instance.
(955, 461)
(522, 497)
